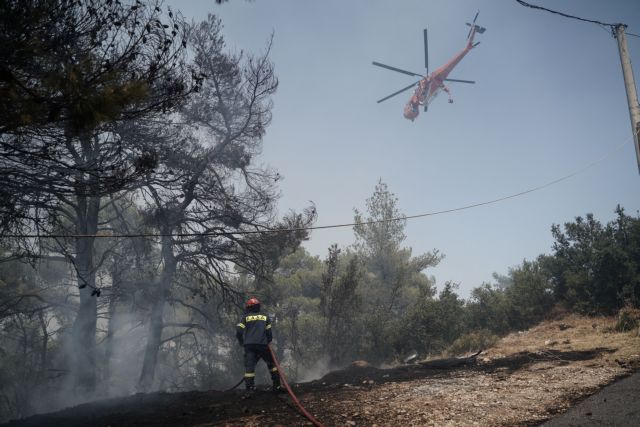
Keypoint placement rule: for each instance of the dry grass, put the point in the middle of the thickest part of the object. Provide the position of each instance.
(526, 378)
(547, 385)
(571, 333)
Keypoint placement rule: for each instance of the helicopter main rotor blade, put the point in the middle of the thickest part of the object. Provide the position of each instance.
(426, 51)
(388, 67)
(460, 81)
(398, 92)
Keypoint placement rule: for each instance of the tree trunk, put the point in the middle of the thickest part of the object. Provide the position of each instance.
(154, 335)
(83, 339)
(45, 343)
(111, 329)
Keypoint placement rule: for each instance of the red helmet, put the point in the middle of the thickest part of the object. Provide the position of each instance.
(252, 301)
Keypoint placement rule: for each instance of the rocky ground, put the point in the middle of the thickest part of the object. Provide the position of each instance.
(527, 378)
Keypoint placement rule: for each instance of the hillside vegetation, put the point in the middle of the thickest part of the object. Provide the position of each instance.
(524, 379)
(137, 216)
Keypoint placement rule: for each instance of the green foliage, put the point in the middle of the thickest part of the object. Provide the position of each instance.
(431, 324)
(82, 64)
(339, 303)
(530, 296)
(382, 232)
(596, 268)
(521, 299)
(394, 278)
(488, 308)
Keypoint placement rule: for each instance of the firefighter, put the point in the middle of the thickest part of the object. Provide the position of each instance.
(254, 333)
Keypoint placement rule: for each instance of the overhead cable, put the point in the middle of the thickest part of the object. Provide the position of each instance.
(322, 227)
(523, 3)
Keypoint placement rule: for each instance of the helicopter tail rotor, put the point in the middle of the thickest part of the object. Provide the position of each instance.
(473, 25)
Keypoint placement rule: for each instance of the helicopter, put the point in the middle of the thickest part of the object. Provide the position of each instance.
(430, 85)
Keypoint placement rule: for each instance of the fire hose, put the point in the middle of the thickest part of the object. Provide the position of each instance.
(293, 396)
(235, 386)
(286, 385)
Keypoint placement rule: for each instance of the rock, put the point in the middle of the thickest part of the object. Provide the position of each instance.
(550, 342)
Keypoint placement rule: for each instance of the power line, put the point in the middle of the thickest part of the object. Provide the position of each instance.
(323, 227)
(602, 24)
(532, 6)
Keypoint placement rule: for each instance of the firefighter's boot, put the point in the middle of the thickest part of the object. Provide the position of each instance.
(275, 378)
(249, 385)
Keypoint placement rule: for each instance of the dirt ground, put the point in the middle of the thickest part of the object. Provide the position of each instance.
(527, 378)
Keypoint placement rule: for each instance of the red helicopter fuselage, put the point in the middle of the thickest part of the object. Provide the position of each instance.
(431, 85)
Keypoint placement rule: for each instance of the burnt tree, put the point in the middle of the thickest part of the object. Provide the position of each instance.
(206, 198)
(72, 72)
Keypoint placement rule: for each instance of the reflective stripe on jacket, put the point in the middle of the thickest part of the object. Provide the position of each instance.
(254, 328)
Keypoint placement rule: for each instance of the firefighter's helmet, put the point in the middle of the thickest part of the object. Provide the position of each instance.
(252, 302)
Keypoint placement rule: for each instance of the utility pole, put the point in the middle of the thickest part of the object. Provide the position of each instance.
(630, 86)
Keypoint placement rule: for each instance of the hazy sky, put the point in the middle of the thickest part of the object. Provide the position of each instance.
(549, 100)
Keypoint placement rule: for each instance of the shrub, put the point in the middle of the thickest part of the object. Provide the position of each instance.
(471, 342)
(628, 319)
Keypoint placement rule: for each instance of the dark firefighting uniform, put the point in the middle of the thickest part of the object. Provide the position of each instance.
(254, 332)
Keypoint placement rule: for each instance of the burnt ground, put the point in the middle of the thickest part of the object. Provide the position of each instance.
(539, 381)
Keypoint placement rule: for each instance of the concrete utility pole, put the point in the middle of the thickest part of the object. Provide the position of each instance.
(630, 86)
